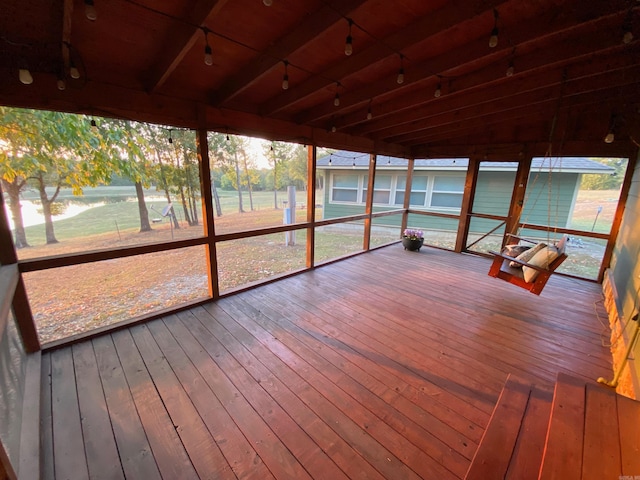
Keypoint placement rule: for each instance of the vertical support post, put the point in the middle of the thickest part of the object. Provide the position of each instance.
(21, 307)
(407, 195)
(311, 203)
(518, 196)
(633, 163)
(467, 203)
(207, 206)
(366, 244)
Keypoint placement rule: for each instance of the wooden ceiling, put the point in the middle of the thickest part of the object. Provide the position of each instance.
(574, 78)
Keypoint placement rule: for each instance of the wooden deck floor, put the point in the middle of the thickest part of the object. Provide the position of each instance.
(386, 365)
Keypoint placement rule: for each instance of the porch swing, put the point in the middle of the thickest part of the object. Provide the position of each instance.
(526, 263)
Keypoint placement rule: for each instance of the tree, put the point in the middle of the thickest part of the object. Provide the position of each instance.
(56, 150)
(225, 150)
(278, 154)
(128, 146)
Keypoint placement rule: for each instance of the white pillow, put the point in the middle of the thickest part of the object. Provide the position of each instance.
(528, 254)
(541, 259)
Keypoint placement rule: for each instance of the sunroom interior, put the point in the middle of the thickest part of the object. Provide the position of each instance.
(336, 353)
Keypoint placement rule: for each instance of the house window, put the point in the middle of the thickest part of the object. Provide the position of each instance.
(447, 192)
(419, 189)
(345, 188)
(381, 189)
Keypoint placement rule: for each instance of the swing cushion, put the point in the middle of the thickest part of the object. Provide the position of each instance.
(542, 259)
(527, 255)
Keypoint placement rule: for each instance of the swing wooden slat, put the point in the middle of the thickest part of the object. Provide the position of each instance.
(500, 268)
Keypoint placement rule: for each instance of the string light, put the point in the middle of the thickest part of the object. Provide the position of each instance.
(330, 158)
(170, 137)
(333, 128)
(25, 76)
(400, 78)
(369, 114)
(94, 125)
(348, 45)
(438, 91)
(61, 84)
(208, 54)
(336, 99)
(493, 39)
(285, 78)
(90, 10)
(267, 3)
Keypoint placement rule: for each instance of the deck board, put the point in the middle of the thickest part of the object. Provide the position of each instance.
(385, 365)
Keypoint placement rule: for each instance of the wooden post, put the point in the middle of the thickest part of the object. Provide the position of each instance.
(518, 196)
(366, 244)
(20, 304)
(467, 203)
(407, 195)
(207, 207)
(311, 203)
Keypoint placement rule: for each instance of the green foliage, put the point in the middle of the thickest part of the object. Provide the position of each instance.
(605, 181)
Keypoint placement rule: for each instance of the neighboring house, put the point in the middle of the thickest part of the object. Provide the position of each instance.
(438, 186)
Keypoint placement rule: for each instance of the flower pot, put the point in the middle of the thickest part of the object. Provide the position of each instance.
(412, 244)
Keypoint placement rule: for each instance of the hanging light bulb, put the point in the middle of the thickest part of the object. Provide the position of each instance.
(333, 129)
(267, 3)
(170, 137)
(336, 99)
(493, 39)
(208, 54)
(229, 139)
(510, 69)
(438, 91)
(61, 84)
(25, 76)
(627, 33)
(369, 113)
(90, 10)
(610, 136)
(94, 125)
(285, 78)
(348, 45)
(73, 71)
(400, 78)
(330, 157)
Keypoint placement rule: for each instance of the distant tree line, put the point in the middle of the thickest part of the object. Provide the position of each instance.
(605, 181)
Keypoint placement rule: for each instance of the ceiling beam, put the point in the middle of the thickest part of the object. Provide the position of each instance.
(452, 14)
(512, 91)
(179, 41)
(313, 25)
(544, 34)
(494, 74)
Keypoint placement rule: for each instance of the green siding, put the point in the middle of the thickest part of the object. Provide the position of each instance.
(625, 269)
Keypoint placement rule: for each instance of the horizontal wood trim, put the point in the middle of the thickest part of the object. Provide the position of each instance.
(387, 213)
(566, 231)
(8, 281)
(434, 214)
(500, 218)
(33, 265)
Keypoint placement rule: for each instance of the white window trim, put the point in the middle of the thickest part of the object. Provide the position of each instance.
(361, 199)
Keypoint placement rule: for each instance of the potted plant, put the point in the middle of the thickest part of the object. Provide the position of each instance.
(412, 239)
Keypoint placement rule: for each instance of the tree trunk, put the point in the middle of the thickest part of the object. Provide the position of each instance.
(238, 184)
(13, 191)
(216, 198)
(165, 187)
(145, 226)
(246, 172)
(46, 209)
(188, 166)
(275, 186)
(185, 208)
